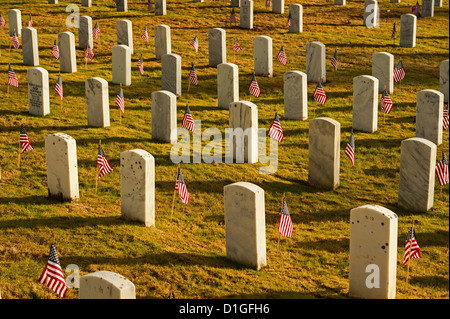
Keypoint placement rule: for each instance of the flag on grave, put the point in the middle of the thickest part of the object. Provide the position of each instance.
(445, 117)
(334, 60)
(275, 130)
(96, 31)
(289, 20)
(193, 76)
(267, 4)
(319, 94)
(150, 6)
(236, 46)
(194, 43)
(254, 87)
(188, 120)
(232, 16)
(393, 32)
(281, 57)
(15, 41)
(310, 181)
(442, 170)
(416, 8)
(350, 149)
(2, 21)
(12, 77)
(412, 249)
(102, 163)
(30, 22)
(399, 71)
(55, 50)
(24, 140)
(52, 276)
(140, 65)
(285, 226)
(386, 102)
(120, 102)
(181, 187)
(145, 34)
(88, 54)
(59, 87)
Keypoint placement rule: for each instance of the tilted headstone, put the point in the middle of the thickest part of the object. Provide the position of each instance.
(227, 84)
(97, 102)
(429, 115)
(67, 53)
(243, 121)
(137, 186)
(263, 55)
(365, 103)
(296, 12)
(444, 79)
(245, 225)
(295, 95)
(383, 70)
(86, 3)
(278, 6)
(121, 64)
(246, 14)
(324, 152)
(125, 33)
(371, 13)
(417, 174)
(427, 8)
(162, 41)
(122, 5)
(171, 73)
(15, 22)
(85, 33)
(38, 91)
(408, 25)
(373, 252)
(105, 285)
(315, 62)
(62, 167)
(217, 46)
(164, 116)
(30, 47)
(160, 7)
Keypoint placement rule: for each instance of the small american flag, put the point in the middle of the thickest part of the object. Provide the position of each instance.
(319, 94)
(59, 87)
(334, 60)
(2, 21)
(236, 46)
(145, 34)
(53, 276)
(30, 22)
(188, 120)
(88, 54)
(267, 4)
(120, 102)
(350, 149)
(416, 8)
(310, 181)
(181, 187)
(290, 20)
(412, 249)
(386, 102)
(55, 50)
(96, 31)
(442, 170)
(281, 57)
(232, 16)
(102, 163)
(275, 130)
(399, 71)
(140, 65)
(393, 32)
(24, 140)
(194, 43)
(150, 6)
(445, 117)
(193, 76)
(254, 87)
(12, 77)
(285, 226)
(15, 41)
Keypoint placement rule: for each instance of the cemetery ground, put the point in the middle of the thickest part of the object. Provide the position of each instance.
(188, 253)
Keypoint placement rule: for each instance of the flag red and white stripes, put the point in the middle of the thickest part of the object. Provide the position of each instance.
(2, 21)
(194, 43)
(281, 57)
(96, 31)
(12, 77)
(285, 226)
(102, 163)
(120, 101)
(193, 76)
(88, 54)
(15, 41)
(350, 149)
(445, 122)
(24, 140)
(59, 87)
(52, 276)
(334, 60)
(181, 187)
(319, 94)
(30, 22)
(188, 120)
(442, 170)
(412, 249)
(386, 102)
(55, 50)
(140, 65)
(145, 34)
(275, 130)
(254, 87)
(399, 71)
(236, 46)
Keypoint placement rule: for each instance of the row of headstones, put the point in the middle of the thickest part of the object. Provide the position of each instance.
(122, 5)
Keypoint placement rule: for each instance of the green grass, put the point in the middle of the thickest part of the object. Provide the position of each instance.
(189, 253)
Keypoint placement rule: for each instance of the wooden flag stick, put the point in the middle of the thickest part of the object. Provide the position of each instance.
(98, 168)
(20, 152)
(174, 193)
(279, 234)
(409, 253)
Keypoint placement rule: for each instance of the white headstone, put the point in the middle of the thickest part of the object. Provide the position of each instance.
(125, 33)
(97, 102)
(67, 53)
(365, 103)
(246, 14)
(383, 70)
(38, 91)
(171, 73)
(295, 95)
(244, 122)
(429, 115)
(315, 62)
(278, 6)
(85, 33)
(15, 22)
(427, 8)
(444, 79)
(30, 47)
(227, 84)
(263, 56)
(296, 12)
(121, 64)
(217, 46)
(160, 7)
(86, 3)
(122, 6)
(105, 285)
(162, 41)
(408, 25)
(164, 116)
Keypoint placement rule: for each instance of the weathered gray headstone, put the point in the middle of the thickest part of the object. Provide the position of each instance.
(38, 91)
(30, 47)
(278, 6)
(160, 7)
(263, 56)
(296, 12)
(164, 116)
(15, 22)
(217, 46)
(62, 167)
(324, 152)
(340, 2)
(105, 285)
(86, 3)
(315, 62)
(383, 70)
(371, 13)
(394, 1)
(408, 25)
(295, 95)
(245, 225)
(171, 73)
(162, 41)
(53, 1)
(137, 186)
(365, 103)
(438, 3)
(97, 102)
(243, 121)
(121, 64)
(246, 14)
(427, 8)
(85, 33)
(227, 84)
(67, 53)
(429, 117)
(444, 79)
(235, 3)
(417, 174)
(122, 6)
(373, 252)
(125, 33)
